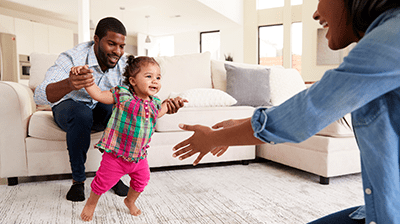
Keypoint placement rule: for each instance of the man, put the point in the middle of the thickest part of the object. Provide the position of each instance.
(74, 110)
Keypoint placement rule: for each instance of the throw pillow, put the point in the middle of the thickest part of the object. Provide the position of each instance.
(218, 72)
(284, 83)
(250, 87)
(205, 97)
(184, 72)
(40, 63)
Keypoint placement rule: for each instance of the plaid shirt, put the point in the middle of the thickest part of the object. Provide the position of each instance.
(131, 125)
(80, 55)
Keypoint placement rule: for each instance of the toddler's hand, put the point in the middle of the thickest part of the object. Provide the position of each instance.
(81, 70)
(80, 77)
(173, 104)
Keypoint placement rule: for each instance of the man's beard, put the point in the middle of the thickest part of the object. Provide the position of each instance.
(104, 58)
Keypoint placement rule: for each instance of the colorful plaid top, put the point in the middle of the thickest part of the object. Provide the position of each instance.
(131, 125)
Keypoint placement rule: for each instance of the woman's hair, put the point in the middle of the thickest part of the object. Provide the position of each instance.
(363, 12)
(109, 24)
(135, 65)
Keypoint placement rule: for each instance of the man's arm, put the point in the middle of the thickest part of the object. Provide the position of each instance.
(56, 91)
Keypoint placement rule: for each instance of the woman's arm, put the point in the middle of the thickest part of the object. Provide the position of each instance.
(220, 150)
(206, 139)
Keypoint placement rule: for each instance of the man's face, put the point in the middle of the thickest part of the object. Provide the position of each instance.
(109, 49)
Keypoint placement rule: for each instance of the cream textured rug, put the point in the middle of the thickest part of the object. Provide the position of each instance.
(257, 193)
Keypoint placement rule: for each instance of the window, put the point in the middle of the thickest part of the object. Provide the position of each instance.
(210, 41)
(297, 40)
(296, 2)
(269, 4)
(270, 45)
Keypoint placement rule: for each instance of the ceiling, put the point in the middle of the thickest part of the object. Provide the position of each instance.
(166, 16)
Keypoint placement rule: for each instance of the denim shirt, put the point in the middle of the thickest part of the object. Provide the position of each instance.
(367, 84)
(82, 54)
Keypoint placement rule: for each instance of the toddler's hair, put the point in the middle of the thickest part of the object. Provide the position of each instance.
(134, 66)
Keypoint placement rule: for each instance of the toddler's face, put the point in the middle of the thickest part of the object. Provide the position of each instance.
(147, 82)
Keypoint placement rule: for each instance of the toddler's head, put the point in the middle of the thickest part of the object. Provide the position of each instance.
(143, 76)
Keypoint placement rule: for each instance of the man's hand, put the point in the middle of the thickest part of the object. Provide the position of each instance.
(80, 77)
(174, 104)
(198, 142)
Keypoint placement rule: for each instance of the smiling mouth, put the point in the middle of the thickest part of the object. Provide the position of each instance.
(114, 59)
(324, 24)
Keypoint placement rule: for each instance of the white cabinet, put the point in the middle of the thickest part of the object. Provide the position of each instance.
(7, 24)
(37, 37)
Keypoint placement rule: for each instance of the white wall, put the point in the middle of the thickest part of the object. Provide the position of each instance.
(310, 70)
(187, 43)
(232, 43)
(232, 9)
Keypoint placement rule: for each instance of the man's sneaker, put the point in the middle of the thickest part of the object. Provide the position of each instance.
(77, 192)
(121, 189)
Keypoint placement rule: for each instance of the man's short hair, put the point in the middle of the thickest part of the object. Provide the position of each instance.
(109, 24)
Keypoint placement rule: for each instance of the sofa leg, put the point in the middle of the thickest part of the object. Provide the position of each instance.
(12, 181)
(245, 162)
(324, 180)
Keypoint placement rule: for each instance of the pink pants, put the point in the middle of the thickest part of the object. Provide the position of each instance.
(112, 169)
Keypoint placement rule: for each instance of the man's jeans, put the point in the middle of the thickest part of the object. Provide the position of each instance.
(78, 120)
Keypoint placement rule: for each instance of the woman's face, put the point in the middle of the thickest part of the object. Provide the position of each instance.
(332, 14)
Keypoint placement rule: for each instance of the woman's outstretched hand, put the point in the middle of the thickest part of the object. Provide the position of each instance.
(199, 142)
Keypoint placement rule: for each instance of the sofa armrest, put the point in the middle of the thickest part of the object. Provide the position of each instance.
(16, 107)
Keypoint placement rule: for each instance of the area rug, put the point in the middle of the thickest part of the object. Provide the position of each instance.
(262, 192)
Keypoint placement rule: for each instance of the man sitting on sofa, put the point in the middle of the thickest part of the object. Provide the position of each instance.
(74, 110)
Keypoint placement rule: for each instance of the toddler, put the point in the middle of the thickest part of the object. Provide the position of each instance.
(128, 132)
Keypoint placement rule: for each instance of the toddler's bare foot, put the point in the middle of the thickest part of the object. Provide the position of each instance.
(132, 208)
(87, 212)
(90, 206)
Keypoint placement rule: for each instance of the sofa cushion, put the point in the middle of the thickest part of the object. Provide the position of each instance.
(40, 63)
(202, 115)
(42, 126)
(250, 87)
(205, 97)
(184, 72)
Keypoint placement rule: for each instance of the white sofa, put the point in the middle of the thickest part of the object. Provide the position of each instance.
(31, 144)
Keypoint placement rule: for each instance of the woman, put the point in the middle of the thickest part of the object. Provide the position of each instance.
(367, 84)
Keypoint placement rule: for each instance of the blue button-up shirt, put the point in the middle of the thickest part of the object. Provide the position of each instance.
(367, 84)
(82, 54)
